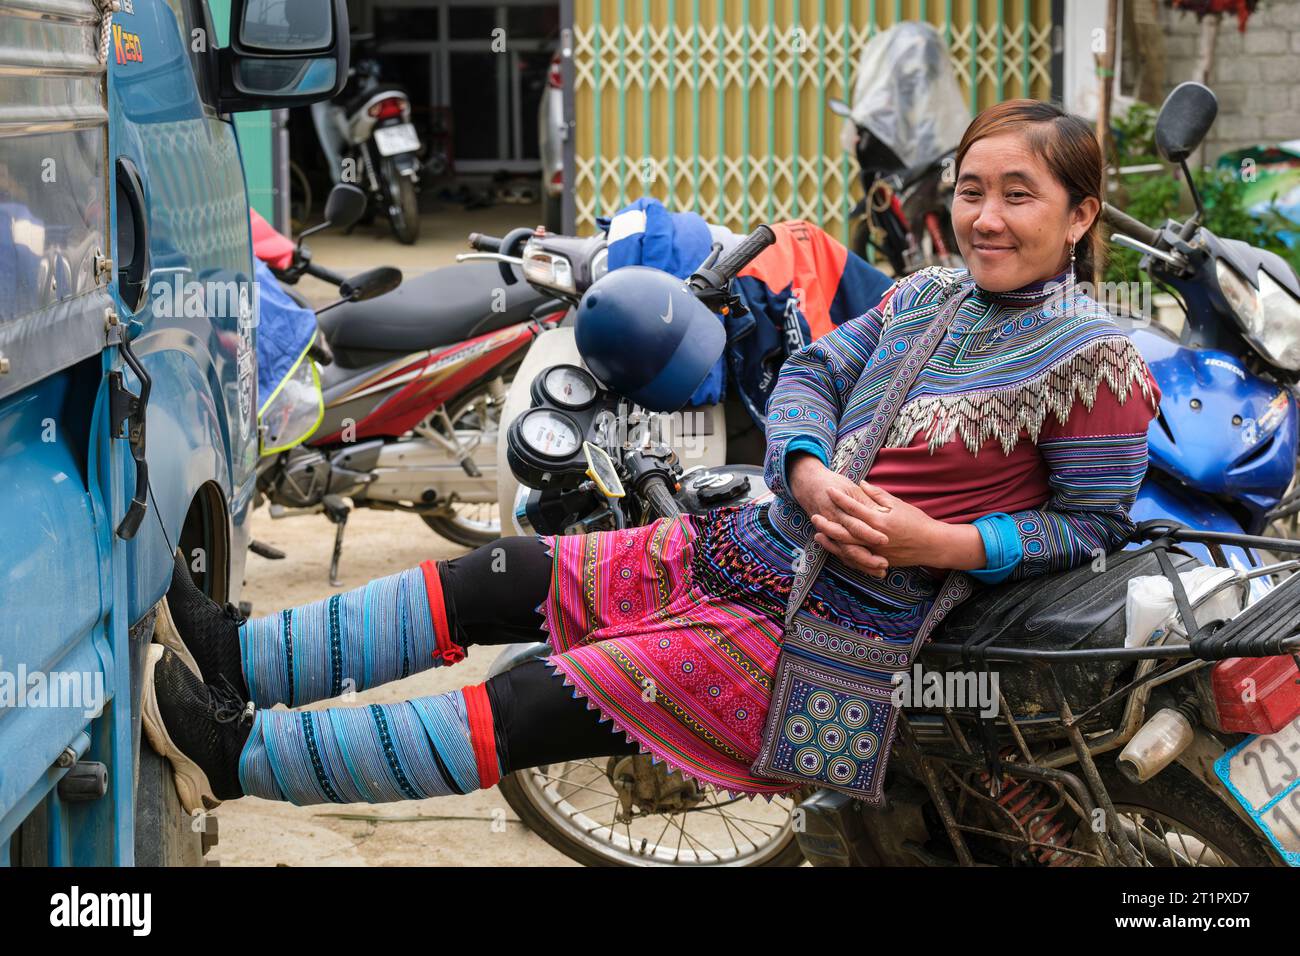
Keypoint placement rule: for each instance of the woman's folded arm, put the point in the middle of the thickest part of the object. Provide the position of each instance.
(1096, 461)
(804, 411)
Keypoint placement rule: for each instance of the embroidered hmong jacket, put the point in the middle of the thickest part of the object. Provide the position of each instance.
(1032, 374)
(1034, 405)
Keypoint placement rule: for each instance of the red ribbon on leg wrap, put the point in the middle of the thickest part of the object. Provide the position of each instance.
(448, 650)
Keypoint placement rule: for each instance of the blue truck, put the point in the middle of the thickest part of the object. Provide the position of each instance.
(128, 424)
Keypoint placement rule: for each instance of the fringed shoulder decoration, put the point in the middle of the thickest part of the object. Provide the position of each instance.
(1001, 413)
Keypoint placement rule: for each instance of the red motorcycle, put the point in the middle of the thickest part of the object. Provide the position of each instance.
(413, 388)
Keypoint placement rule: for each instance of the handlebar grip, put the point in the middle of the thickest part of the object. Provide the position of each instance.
(484, 243)
(325, 275)
(1126, 224)
(743, 254)
(661, 499)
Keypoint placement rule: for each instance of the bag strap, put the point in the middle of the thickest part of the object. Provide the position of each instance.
(814, 555)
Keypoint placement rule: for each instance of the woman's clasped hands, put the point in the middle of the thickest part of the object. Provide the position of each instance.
(862, 524)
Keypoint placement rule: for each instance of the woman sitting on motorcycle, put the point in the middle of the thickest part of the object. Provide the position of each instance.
(1018, 451)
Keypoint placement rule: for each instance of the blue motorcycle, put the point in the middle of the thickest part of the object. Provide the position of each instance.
(1223, 449)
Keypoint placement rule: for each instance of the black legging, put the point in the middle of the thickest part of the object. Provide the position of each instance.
(492, 594)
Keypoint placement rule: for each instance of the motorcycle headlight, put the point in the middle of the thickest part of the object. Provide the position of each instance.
(1269, 315)
(548, 269)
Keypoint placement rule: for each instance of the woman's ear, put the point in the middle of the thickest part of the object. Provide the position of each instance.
(1083, 216)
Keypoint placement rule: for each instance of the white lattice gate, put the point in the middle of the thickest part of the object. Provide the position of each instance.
(720, 105)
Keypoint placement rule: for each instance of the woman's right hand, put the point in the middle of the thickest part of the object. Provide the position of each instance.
(811, 482)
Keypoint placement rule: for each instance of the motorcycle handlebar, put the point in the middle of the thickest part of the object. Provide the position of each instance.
(484, 243)
(320, 272)
(660, 498)
(743, 254)
(1128, 225)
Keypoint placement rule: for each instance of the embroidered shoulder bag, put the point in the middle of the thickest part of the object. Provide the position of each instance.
(832, 717)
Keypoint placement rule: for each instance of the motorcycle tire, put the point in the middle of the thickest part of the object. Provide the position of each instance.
(542, 819)
(403, 206)
(1176, 796)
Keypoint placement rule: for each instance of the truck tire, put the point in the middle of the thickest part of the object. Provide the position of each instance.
(164, 834)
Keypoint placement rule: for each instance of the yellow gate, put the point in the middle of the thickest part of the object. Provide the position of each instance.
(719, 106)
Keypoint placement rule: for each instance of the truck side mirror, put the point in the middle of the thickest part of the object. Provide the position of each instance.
(283, 53)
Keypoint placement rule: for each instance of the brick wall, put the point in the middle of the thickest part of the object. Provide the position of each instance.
(1256, 75)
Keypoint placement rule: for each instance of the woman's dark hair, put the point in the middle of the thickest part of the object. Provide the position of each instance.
(1068, 147)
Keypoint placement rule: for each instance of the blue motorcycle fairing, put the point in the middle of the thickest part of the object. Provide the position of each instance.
(1160, 500)
(1241, 438)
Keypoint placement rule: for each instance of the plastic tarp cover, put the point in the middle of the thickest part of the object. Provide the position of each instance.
(906, 93)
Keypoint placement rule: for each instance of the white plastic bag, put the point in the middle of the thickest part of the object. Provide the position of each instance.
(1151, 609)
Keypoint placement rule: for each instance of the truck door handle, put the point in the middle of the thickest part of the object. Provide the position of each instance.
(126, 415)
(127, 409)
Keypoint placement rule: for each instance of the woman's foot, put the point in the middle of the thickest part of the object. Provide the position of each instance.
(203, 633)
(200, 728)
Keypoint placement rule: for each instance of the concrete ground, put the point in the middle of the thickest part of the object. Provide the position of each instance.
(476, 829)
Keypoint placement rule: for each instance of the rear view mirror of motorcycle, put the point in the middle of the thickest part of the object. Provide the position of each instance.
(839, 107)
(371, 283)
(344, 206)
(1184, 119)
(601, 470)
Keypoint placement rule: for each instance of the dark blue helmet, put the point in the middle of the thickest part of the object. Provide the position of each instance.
(644, 335)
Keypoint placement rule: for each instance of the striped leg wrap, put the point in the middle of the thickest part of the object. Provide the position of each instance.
(426, 747)
(385, 630)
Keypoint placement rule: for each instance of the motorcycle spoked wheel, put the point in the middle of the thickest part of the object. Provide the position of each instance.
(1180, 822)
(575, 807)
(403, 205)
(474, 525)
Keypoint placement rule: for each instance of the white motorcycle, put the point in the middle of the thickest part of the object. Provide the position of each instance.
(369, 139)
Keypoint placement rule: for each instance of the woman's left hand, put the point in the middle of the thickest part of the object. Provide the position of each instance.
(914, 537)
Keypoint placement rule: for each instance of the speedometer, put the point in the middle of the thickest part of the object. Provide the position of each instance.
(569, 386)
(550, 434)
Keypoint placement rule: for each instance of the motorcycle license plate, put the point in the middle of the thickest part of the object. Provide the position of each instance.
(1263, 773)
(392, 140)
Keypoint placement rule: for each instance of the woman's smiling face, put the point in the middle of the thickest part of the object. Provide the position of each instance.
(1012, 218)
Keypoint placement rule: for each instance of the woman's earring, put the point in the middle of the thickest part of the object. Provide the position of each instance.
(1071, 291)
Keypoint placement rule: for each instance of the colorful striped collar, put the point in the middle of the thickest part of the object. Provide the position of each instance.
(1032, 294)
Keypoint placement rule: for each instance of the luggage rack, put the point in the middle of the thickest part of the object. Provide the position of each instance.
(1002, 774)
(1270, 626)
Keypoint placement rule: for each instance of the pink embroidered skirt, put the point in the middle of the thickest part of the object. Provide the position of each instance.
(683, 673)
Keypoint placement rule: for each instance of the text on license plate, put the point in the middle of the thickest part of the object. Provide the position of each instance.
(1263, 773)
(392, 140)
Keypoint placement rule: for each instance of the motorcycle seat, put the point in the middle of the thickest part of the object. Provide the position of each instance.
(430, 311)
(1071, 610)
